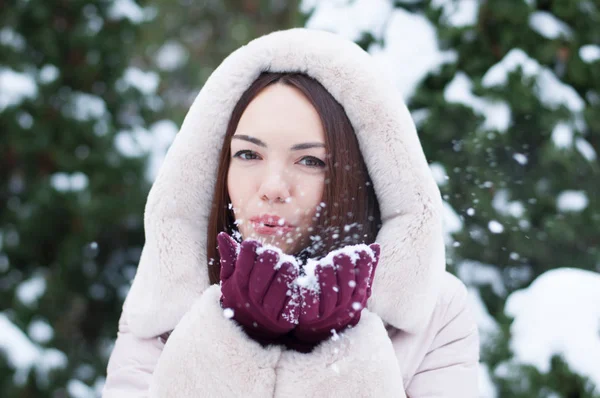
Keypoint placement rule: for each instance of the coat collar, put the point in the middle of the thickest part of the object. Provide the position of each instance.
(172, 270)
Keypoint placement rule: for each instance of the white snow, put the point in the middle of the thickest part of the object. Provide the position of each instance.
(61, 182)
(15, 87)
(497, 75)
(419, 116)
(458, 13)
(310, 280)
(281, 256)
(154, 142)
(20, 351)
(40, 331)
(133, 143)
(476, 274)
(495, 227)
(10, 38)
(79, 181)
(29, 291)
(592, 97)
(78, 389)
(351, 18)
(572, 201)
(121, 9)
(171, 56)
(496, 113)
(84, 107)
(25, 120)
(228, 313)
(451, 222)
(562, 135)
(439, 173)
(48, 74)
(94, 21)
(84, 371)
(558, 313)
(586, 149)
(64, 182)
(487, 389)
(163, 133)
(486, 324)
(99, 385)
(549, 89)
(407, 62)
(520, 158)
(548, 25)
(350, 251)
(504, 206)
(145, 82)
(590, 53)
(23, 355)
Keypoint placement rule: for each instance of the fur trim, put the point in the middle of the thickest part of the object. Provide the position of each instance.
(361, 362)
(172, 271)
(233, 365)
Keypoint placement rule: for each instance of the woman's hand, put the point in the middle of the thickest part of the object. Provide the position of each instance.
(258, 288)
(343, 286)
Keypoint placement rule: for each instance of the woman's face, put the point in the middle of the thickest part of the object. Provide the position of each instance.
(277, 171)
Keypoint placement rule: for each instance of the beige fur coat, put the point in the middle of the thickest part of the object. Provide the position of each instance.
(417, 338)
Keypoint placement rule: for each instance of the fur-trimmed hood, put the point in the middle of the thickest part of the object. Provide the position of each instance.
(172, 272)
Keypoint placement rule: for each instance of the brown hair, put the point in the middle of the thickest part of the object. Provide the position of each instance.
(351, 213)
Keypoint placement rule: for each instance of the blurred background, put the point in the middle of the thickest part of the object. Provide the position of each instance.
(506, 98)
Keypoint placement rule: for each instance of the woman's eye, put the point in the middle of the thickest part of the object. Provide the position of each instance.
(246, 155)
(311, 161)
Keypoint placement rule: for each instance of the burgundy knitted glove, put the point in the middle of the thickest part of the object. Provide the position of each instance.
(343, 285)
(258, 288)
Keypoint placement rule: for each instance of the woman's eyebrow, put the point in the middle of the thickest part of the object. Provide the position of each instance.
(307, 145)
(297, 147)
(250, 139)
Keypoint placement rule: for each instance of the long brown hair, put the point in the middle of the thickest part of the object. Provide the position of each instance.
(351, 212)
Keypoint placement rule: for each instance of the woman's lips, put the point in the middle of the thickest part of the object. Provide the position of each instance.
(268, 224)
(263, 229)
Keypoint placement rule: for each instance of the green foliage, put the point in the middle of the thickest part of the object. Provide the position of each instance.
(83, 243)
(481, 162)
(560, 381)
(79, 241)
(208, 31)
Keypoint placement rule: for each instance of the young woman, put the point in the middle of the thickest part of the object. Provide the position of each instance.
(299, 148)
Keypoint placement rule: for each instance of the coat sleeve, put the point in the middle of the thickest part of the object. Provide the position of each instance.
(450, 366)
(360, 362)
(206, 355)
(131, 363)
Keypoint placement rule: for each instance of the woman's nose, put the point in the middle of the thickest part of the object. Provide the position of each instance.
(274, 188)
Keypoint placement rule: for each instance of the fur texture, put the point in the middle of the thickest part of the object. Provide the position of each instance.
(360, 362)
(232, 365)
(172, 271)
(210, 356)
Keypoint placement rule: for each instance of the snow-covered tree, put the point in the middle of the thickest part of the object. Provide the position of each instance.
(506, 97)
(87, 91)
(189, 39)
(79, 120)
